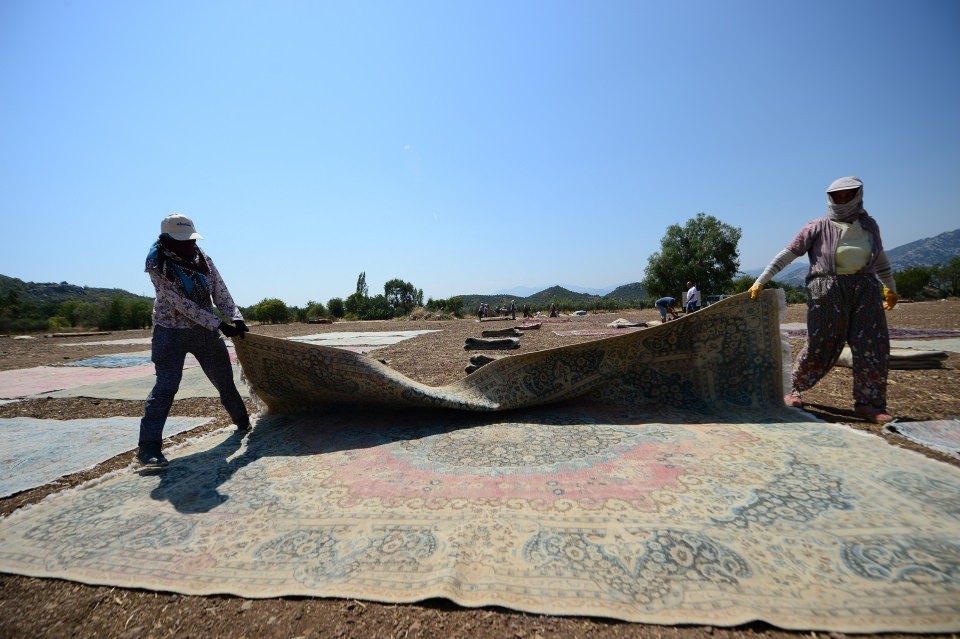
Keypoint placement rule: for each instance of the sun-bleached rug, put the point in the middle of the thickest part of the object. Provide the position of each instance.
(34, 452)
(942, 434)
(43, 379)
(193, 384)
(645, 516)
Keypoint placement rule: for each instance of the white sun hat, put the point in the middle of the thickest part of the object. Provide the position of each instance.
(179, 227)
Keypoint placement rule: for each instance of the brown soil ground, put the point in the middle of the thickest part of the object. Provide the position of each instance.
(54, 608)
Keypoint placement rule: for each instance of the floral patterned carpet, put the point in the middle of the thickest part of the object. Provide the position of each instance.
(629, 509)
(574, 509)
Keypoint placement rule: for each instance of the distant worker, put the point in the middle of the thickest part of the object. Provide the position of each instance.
(513, 309)
(554, 312)
(184, 322)
(693, 298)
(845, 302)
(665, 304)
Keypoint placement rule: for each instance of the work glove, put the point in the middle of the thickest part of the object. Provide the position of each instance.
(228, 329)
(890, 299)
(241, 327)
(755, 290)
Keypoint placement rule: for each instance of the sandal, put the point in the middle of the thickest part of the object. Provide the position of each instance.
(793, 399)
(872, 414)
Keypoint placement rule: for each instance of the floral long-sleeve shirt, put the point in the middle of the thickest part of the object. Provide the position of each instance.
(173, 309)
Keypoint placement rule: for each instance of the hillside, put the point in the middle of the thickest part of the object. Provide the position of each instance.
(939, 249)
(622, 295)
(627, 293)
(39, 294)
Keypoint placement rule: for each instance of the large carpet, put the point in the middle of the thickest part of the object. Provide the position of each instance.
(726, 357)
(34, 452)
(675, 488)
(558, 510)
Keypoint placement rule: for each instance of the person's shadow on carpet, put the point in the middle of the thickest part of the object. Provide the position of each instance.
(192, 483)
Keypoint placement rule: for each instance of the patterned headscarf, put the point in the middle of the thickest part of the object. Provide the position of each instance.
(853, 208)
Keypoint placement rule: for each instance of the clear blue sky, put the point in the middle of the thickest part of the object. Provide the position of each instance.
(465, 147)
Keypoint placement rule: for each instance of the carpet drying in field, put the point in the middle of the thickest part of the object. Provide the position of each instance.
(728, 356)
(193, 384)
(44, 379)
(34, 452)
(359, 341)
(952, 345)
(942, 435)
(637, 515)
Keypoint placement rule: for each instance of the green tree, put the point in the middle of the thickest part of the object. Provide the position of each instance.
(362, 285)
(272, 311)
(335, 306)
(704, 251)
(402, 296)
(911, 281)
(315, 310)
(947, 277)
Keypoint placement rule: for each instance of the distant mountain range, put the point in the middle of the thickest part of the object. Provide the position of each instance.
(627, 293)
(525, 291)
(939, 249)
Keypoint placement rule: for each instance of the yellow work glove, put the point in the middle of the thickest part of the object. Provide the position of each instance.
(890, 299)
(755, 290)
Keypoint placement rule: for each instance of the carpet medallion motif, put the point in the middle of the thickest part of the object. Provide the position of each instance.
(575, 509)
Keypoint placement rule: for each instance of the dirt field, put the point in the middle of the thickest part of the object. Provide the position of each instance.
(52, 608)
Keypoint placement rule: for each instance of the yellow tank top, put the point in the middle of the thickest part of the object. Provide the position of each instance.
(854, 248)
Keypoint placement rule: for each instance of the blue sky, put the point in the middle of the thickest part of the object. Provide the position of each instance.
(465, 147)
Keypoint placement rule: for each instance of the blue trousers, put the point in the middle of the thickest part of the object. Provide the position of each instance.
(169, 350)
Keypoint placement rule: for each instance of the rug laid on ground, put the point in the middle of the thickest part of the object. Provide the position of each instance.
(34, 452)
(360, 341)
(636, 514)
(193, 384)
(952, 345)
(942, 434)
(729, 355)
(43, 379)
(902, 359)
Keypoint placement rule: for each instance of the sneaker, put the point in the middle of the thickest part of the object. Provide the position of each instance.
(872, 414)
(793, 400)
(150, 455)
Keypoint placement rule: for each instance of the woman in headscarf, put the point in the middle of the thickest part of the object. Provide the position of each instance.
(844, 300)
(186, 279)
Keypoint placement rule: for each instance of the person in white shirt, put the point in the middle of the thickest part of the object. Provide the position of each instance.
(693, 297)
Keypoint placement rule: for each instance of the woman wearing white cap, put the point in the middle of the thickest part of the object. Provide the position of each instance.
(184, 322)
(844, 300)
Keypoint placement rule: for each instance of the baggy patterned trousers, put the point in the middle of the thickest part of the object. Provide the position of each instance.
(846, 309)
(168, 352)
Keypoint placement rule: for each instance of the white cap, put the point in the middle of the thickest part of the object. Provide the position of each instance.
(179, 227)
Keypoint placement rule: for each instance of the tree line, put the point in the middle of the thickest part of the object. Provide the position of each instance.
(21, 315)
(703, 251)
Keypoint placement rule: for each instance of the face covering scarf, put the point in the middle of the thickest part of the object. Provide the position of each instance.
(852, 209)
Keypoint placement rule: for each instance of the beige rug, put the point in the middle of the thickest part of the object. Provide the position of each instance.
(612, 505)
(727, 357)
(573, 510)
